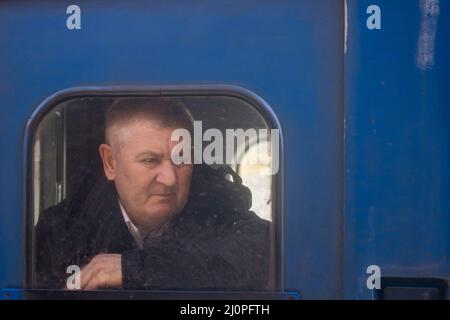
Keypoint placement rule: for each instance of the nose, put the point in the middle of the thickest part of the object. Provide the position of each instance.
(167, 175)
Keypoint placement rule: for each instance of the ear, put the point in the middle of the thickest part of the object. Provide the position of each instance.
(109, 163)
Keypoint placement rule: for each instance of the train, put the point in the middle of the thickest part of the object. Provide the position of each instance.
(356, 89)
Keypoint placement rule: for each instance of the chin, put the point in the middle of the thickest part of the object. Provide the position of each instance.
(160, 212)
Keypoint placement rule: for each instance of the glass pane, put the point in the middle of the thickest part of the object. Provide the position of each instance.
(154, 193)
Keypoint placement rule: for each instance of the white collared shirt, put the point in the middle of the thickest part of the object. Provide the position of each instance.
(137, 235)
(132, 228)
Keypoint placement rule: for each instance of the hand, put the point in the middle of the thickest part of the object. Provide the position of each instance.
(103, 271)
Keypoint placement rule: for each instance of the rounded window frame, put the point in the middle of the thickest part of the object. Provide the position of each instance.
(152, 91)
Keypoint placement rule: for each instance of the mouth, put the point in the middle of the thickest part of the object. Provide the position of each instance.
(163, 194)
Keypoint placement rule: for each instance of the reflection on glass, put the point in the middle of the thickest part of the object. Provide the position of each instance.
(96, 200)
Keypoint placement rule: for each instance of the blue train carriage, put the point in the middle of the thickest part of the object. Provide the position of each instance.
(351, 92)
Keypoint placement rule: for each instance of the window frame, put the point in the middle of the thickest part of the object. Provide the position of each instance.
(152, 91)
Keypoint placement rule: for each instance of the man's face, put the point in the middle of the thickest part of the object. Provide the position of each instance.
(151, 188)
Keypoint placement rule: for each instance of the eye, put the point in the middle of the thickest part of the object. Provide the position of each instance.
(149, 161)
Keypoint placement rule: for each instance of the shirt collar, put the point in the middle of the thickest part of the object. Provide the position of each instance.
(138, 238)
(137, 235)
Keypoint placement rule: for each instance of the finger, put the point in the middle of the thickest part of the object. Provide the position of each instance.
(89, 271)
(98, 280)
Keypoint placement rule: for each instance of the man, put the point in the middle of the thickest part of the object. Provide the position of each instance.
(152, 224)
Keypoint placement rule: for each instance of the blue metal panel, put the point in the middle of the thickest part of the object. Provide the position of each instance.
(290, 53)
(31, 294)
(397, 139)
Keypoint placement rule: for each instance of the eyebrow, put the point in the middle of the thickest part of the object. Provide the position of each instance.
(148, 153)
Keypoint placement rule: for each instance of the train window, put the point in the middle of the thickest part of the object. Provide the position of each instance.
(145, 191)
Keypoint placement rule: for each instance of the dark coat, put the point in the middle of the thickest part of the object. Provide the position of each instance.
(214, 243)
